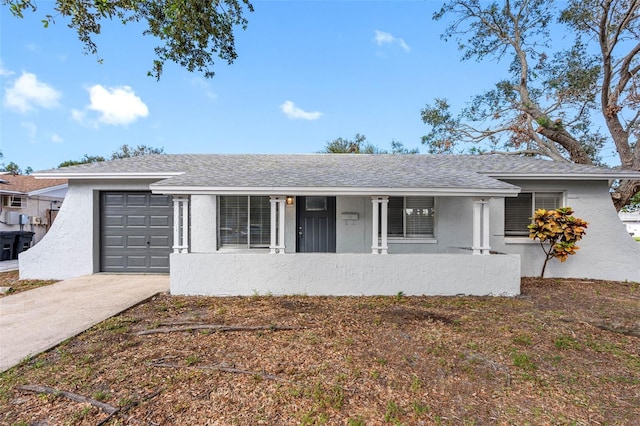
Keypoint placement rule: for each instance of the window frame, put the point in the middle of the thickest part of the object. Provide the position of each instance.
(414, 237)
(266, 224)
(525, 233)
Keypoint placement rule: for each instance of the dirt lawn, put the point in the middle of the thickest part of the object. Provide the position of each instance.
(565, 352)
(11, 279)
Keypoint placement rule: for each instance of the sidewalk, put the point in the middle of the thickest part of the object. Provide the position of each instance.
(36, 320)
(8, 265)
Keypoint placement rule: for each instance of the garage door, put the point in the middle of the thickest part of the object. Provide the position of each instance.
(136, 232)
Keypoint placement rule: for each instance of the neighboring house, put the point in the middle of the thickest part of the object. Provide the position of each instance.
(632, 221)
(329, 224)
(30, 204)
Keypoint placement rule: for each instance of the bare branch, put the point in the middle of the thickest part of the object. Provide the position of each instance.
(516, 153)
(107, 408)
(216, 327)
(220, 367)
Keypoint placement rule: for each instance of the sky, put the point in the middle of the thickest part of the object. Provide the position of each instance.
(307, 73)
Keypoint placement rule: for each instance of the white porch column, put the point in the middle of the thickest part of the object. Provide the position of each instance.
(274, 210)
(384, 204)
(277, 224)
(281, 210)
(374, 217)
(180, 224)
(379, 245)
(486, 243)
(481, 226)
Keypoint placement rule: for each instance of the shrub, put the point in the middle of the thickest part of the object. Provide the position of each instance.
(558, 231)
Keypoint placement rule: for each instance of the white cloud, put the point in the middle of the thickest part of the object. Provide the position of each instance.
(55, 138)
(31, 128)
(27, 92)
(204, 87)
(292, 111)
(382, 38)
(116, 105)
(5, 72)
(77, 115)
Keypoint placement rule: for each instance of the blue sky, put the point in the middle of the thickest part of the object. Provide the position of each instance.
(307, 72)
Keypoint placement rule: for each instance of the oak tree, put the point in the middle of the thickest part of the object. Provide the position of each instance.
(125, 151)
(360, 145)
(551, 96)
(191, 33)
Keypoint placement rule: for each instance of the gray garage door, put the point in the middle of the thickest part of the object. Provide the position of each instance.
(136, 232)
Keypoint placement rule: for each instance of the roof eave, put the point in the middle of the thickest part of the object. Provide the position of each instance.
(109, 176)
(48, 189)
(564, 176)
(303, 191)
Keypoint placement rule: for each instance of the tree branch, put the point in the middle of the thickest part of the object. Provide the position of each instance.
(219, 367)
(519, 152)
(107, 408)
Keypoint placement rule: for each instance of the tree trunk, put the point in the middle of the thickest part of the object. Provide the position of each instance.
(623, 194)
(544, 266)
(577, 154)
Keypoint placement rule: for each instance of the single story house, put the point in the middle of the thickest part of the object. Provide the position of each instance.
(30, 204)
(327, 224)
(632, 221)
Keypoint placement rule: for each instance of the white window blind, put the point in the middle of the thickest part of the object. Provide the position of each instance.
(410, 217)
(245, 221)
(419, 216)
(260, 222)
(518, 211)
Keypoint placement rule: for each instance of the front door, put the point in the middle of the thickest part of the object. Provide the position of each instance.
(316, 220)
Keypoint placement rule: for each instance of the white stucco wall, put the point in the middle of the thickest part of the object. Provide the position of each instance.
(353, 235)
(70, 248)
(453, 228)
(606, 252)
(203, 223)
(232, 274)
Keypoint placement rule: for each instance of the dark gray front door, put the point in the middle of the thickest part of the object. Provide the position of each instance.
(136, 232)
(316, 220)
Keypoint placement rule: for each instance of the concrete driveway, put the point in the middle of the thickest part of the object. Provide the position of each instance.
(36, 320)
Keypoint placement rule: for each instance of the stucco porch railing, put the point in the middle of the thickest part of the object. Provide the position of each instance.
(345, 274)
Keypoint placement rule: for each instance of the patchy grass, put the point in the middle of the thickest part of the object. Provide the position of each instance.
(565, 352)
(11, 279)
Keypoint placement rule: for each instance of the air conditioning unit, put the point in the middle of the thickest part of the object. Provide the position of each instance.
(12, 218)
(14, 201)
(35, 220)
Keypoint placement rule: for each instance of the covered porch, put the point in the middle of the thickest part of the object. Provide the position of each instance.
(417, 244)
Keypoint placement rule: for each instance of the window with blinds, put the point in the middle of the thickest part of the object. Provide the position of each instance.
(245, 221)
(518, 211)
(410, 217)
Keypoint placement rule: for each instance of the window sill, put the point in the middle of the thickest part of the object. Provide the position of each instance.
(519, 240)
(412, 241)
(242, 250)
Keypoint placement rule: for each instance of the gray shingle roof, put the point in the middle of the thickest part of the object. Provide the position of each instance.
(335, 170)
